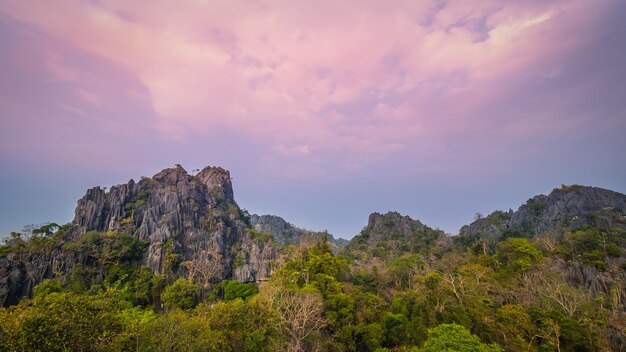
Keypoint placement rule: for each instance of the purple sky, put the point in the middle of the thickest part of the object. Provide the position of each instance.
(323, 111)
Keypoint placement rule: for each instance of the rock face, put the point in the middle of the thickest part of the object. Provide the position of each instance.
(20, 272)
(565, 208)
(285, 233)
(193, 217)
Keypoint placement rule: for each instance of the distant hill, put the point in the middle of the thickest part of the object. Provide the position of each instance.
(565, 208)
(391, 234)
(285, 233)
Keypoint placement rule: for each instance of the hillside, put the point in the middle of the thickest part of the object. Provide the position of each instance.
(285, 233)
(565, 208)
(395, 230)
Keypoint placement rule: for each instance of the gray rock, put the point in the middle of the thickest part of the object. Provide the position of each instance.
(565, 208)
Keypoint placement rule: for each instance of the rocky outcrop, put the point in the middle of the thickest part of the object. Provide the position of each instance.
(565, 208)
(396, 234)
(19, 274)
(193, 217)
(21, 271)
(285, 233)
(191, 226)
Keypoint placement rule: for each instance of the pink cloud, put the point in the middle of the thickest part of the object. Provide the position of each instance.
(319, 80)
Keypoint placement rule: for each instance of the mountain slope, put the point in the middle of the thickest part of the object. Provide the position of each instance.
(285, 233)
(391, 234)
(565, 208)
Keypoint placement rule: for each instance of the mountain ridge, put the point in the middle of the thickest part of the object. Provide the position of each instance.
(191, 226)
(565, 208)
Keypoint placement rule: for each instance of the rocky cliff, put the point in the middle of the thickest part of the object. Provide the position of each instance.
(190, 225)
(565, 208)
(285, 233)
(193, 217)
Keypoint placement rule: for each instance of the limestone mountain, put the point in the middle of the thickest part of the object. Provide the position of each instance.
(565, 208)
(194, 217)
(188, 225)
(390, 234)
(285, 233)
(181, 225)
(582, 228)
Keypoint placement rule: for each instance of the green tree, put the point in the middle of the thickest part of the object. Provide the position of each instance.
(181, 294)
(592, 246)
(63, 321)
(395, 329)
(246, 325)
(455, 338)
(182, 331)
(517, 255)
(233, 289)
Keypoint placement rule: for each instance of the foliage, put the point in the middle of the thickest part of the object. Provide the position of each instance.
(455, 338)
(137, 200)
(180, 295)
(571, 188)
(536, 206)
(517, 255)
(47, 287)
(171, 258)
(262, 237)
(39, 240)
(108, 248)
(247, 325)
(63, 321)
(498, 217)
(592, 246)
(517, 297)
(233, 289)
(177, 330)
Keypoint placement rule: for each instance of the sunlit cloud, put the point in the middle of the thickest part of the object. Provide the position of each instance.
(320, 80)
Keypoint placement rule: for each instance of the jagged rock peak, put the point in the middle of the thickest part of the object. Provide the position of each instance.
(195, 216)
(565, 208)
(376, 218)
(171, 175)
(217, 179)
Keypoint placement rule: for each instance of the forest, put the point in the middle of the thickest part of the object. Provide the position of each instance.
(431, 293)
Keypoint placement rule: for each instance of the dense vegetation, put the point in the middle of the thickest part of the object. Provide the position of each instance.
(446, 294)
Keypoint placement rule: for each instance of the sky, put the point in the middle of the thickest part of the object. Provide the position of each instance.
(323, 111)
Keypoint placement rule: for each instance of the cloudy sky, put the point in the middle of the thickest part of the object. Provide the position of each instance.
(323, 111)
